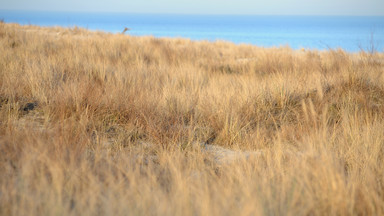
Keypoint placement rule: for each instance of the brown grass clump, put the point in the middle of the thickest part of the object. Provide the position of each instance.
(101, 124)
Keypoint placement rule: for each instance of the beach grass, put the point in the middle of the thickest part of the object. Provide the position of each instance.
(93, 123)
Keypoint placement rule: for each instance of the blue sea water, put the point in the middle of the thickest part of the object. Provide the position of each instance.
(351, 33)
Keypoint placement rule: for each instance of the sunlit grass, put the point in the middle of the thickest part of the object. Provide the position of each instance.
(110, 124)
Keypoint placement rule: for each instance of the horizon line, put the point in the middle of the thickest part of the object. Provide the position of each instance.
(191, 14)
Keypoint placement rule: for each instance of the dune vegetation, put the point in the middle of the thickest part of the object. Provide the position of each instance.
(93, 123)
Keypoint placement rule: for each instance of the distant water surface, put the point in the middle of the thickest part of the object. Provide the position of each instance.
(351, 33)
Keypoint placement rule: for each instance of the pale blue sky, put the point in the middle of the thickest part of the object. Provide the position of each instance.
(257, 7)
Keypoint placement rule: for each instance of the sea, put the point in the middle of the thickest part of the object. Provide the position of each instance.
(351, 33)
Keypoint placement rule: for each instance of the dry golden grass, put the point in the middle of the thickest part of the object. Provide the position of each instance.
(109, 124)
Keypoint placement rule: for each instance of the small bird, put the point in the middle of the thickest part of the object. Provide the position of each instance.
(125, 29)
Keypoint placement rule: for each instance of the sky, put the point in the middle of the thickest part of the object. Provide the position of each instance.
(242, 7)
